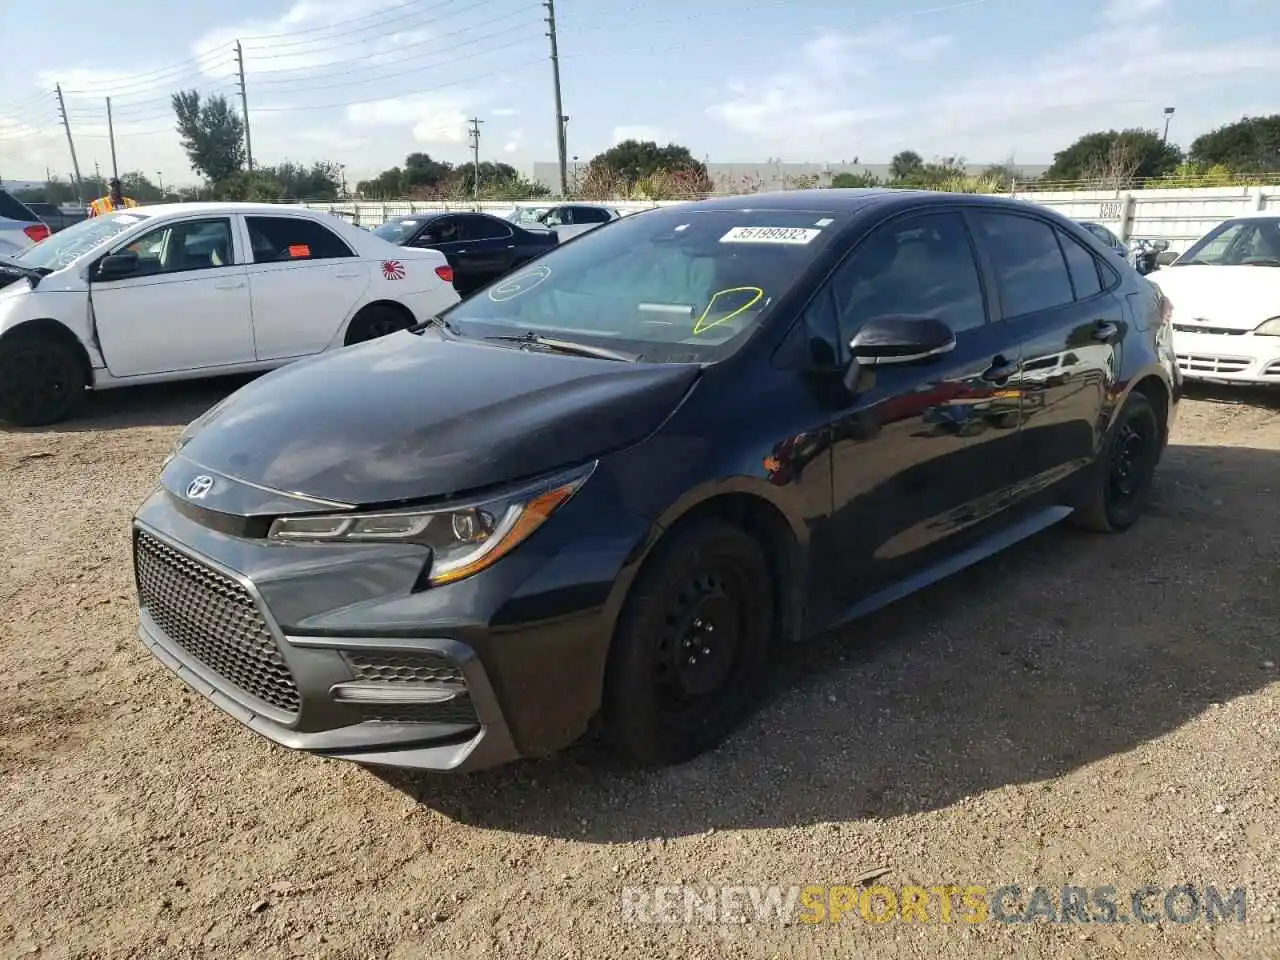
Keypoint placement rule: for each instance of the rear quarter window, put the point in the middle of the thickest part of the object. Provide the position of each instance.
(14, 209)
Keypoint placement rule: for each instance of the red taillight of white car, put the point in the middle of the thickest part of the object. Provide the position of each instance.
(445, 273)
(36, 232)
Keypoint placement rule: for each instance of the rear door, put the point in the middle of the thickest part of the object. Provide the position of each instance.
(1057, 298)
(304, 282)
(490, 246)
(923, 455)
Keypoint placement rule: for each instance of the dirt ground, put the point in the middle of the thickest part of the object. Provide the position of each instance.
(1084, 709)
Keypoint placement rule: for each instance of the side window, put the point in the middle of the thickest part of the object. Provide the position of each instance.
(280, 239)
(1029, 265)
(479, 227)
(922, 265)
(1082, 266)
(179, 247)
(440, 230)
(589, 215)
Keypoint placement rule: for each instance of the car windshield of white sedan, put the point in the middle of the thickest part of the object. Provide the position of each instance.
(673, 285)
(397, 230)
(63, 247)
(1253, 242)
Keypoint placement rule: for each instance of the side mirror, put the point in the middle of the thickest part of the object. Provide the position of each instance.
(1159, 246)
(117, 266)
(1166, 257)
(901, 339)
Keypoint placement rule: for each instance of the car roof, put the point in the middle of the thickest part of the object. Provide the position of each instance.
(853, 201)
(224, 206)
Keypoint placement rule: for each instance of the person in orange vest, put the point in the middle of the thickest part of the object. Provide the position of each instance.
(114, 200)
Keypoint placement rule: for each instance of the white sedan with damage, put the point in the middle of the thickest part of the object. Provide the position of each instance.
(1225, 294)
(179, 291)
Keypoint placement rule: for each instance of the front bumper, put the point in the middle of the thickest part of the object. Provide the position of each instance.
(329, 649)
(1237, 358)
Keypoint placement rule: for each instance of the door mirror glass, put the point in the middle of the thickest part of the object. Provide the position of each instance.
(901, 338)
(117, 266)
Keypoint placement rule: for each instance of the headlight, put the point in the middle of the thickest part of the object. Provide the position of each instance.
(1269, 328)
(464, 538)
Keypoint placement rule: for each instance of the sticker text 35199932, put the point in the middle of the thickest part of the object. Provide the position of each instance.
(797, 235)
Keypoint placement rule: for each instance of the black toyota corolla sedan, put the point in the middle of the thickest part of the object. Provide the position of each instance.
(614, 484)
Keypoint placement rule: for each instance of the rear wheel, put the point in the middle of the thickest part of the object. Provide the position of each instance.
(42, 380)
(691, 646)
(1120, 487)
(376, 320)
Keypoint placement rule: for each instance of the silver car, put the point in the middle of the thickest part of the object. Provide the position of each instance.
(19, 227)
(567, 219)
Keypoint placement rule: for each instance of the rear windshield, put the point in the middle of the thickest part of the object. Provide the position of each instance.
(675, 285)
(397, 231)
(12, 208)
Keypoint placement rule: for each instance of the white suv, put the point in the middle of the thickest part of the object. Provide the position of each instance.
(19, 227)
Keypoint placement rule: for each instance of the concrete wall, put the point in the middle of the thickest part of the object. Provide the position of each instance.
(1179, 216)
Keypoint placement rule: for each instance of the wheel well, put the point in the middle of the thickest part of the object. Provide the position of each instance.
(770, 528)
(48, 328)
(1154, 389)
(399, 308)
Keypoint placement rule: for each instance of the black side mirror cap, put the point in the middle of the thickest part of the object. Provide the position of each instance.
(897, 339)
(117, 266)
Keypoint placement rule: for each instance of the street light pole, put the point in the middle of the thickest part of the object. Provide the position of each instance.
(1168, 115)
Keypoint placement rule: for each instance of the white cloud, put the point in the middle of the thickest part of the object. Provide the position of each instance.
(514, 140)
(637, 132)
(504, 112)
(431, 119)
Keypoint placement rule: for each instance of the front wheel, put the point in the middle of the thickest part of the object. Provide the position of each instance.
(1120, 487)
(42, 380)
(691, 646)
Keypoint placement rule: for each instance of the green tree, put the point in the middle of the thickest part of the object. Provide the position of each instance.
(848, 180)
(212, 135)
(1119, 155)
(136, 185)
(636, 160)
(420, 171)
(905, 165)
(320, 181)
(1250, 145)
(390, 184)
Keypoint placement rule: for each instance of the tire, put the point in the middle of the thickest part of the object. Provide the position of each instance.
(376, 320)
(42, 380)
(667, 698)
(1120, 486)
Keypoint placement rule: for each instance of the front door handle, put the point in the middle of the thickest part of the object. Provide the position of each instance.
(1000, 370)
(1105, 331)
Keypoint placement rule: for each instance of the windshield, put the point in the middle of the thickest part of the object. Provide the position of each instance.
(528, 214)
(397, 231)
(676, 285)
(58, 250)
(1247, 242)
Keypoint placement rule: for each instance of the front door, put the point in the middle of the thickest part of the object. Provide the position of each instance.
(186, 307)
(1055, 295)
(305, 282)
(923, 454)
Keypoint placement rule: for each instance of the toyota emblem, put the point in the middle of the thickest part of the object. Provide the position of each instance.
(199, 487)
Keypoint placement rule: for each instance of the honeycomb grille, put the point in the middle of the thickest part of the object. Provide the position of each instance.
(214, 619)
(380, 667)
(460, 711)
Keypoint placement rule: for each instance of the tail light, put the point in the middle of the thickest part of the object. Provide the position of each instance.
(445, 273)
(36, 232)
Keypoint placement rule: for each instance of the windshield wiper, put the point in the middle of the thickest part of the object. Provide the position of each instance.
(434, 321)
(569, 346)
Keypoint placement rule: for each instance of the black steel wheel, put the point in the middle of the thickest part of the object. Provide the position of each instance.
(691, 646)
(1120, 486)
(376, 320)
(42, 380)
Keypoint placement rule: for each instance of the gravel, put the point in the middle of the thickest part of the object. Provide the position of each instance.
(1084, 709)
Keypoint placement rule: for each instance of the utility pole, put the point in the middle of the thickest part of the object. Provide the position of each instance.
(66, 125)
(475, 157)
(561, 119)
(1168, 115)
(244, 106)
(111, 136)
(160, 182)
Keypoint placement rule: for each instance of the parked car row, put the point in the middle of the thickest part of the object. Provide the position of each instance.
(171, 292)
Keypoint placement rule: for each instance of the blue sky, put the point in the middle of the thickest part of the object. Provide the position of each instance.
(364, 82)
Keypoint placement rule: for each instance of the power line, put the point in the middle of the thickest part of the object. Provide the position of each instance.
(199, 65)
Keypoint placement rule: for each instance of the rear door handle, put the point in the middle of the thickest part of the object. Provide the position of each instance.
(228, 285)
(1105, 331)
(347, 274)
(1000, 370)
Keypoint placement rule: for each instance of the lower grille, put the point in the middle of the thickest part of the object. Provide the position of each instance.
(459, 710)
(1192, 363)
(214, 619)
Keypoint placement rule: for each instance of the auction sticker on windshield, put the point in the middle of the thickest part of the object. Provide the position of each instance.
(800, 235)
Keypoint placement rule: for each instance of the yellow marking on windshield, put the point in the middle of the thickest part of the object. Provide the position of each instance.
(701, 326)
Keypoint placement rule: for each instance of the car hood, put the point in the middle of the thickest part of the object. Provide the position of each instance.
(1233, 298)
(413, 417)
